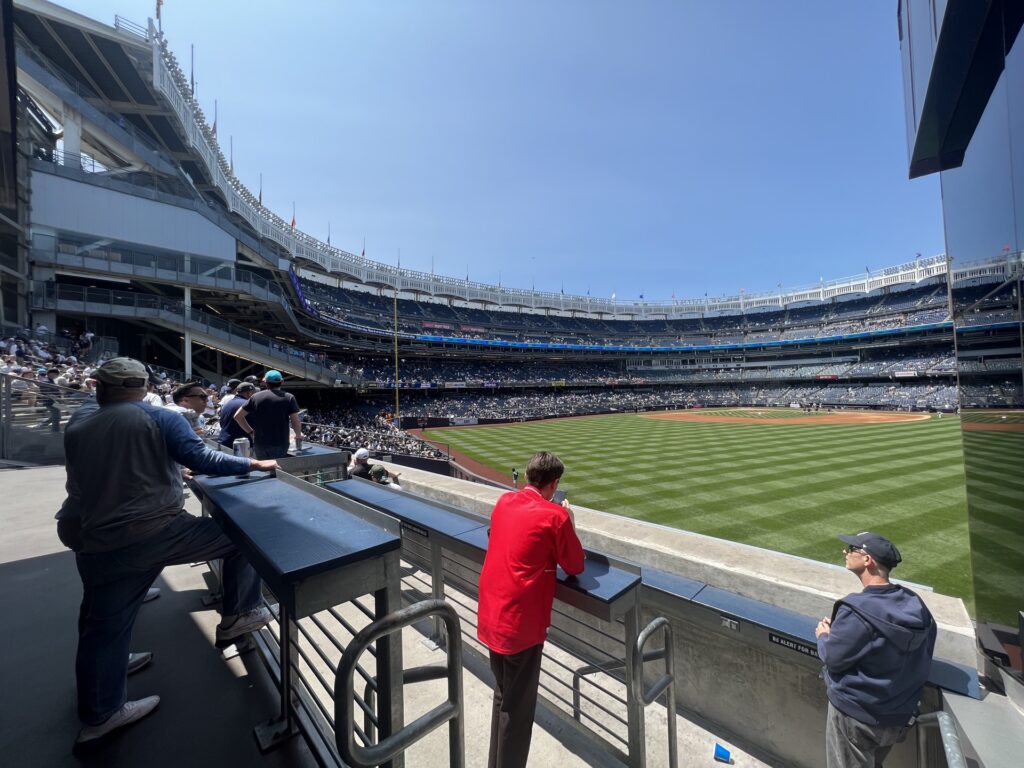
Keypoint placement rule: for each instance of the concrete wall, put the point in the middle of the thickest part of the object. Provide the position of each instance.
(753, 692)
(73, 207)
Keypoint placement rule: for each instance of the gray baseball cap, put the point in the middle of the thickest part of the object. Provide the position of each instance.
(122, 372)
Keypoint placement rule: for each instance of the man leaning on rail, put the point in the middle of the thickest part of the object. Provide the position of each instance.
(877, 650)
(529, 536)
(123, 476)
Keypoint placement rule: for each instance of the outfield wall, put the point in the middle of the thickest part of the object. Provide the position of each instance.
(765, 695)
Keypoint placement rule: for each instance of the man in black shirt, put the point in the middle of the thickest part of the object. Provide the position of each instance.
(266, 416)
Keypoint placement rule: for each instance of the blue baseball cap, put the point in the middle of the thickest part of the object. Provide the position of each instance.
(273, 377)
(879, 547)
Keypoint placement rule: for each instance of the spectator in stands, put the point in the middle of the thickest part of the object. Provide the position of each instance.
(50, 395)
(266, 416)
(877, 650)
(123, 477)
(229, 388)
(153, 397)
(190, 401)
(231, 430)
(529, 536)
(360, 467)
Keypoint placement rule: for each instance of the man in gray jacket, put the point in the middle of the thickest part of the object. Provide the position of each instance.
(877, 650)
(123, 478)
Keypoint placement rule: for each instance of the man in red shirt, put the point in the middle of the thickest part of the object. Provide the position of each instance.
(529, 536)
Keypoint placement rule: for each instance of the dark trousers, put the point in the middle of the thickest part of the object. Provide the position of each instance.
(270, 451)
(114, 586)
(515, 699)
(852, 744)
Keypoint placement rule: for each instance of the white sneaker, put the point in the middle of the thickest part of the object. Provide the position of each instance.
(242, 624)
(127, 714)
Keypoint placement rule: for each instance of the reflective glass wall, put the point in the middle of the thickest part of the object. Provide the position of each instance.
(983, 206)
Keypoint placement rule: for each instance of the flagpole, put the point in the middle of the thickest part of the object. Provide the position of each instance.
(397, 420)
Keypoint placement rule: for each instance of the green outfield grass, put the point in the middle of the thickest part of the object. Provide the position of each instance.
(782, 486)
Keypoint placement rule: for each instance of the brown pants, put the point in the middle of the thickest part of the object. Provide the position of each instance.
(515, 700)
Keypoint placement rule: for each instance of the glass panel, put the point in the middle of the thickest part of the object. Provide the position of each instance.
(982, 206)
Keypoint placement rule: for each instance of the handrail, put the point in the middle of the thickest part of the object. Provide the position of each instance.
(449, 711)
(950, 738)
(413, 675)
(664, 684)
(47, 293)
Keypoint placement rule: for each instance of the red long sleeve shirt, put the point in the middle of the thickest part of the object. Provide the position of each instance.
(529, 537)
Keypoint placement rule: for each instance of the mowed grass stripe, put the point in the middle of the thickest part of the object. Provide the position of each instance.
(782, 486)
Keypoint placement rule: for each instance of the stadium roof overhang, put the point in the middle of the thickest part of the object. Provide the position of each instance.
(112, 68)
(968, 61)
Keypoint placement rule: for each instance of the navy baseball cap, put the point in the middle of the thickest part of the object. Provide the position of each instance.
(876, 545)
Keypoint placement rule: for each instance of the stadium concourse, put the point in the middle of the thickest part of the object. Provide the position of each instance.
(719, 442)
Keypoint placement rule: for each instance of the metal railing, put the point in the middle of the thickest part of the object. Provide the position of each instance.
(449, 711)
(663, 684)
(217, 332)
(33, 415)
(603, 713)
(174, 269)
(950, 738)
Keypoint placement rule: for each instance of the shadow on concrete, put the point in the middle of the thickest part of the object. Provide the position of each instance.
(208, 705)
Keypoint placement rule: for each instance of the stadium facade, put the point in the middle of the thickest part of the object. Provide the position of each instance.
(121, 215)
(140, 230)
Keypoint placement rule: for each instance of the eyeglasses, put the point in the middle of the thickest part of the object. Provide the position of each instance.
(851, 549)
(203, 395)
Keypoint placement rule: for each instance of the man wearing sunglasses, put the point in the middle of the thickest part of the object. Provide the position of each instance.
(190, 401)
(877, 650)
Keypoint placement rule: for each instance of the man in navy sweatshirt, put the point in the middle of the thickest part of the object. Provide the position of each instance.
(877, 649)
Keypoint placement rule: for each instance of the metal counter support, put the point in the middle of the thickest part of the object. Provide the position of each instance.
(662, 685)
(278, 729)
(391, 746)
(634, 707)
(950, 739)
(437, 588)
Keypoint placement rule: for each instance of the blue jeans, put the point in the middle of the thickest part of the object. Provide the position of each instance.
(115, 584)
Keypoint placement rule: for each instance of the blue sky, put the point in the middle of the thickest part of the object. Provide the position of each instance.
(655, 147)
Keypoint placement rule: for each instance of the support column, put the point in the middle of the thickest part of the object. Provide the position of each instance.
(72, 137)
(188, 334)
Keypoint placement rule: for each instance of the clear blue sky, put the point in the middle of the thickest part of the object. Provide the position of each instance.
(650, 147)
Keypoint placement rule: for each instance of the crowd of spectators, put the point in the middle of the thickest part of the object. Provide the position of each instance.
(367, 426)
(446, 373)
(541, 404)
(368, 311)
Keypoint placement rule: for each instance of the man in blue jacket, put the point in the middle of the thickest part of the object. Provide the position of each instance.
(124, 484)
(877, 649)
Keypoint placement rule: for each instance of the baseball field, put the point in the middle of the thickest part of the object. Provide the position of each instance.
(774, 478)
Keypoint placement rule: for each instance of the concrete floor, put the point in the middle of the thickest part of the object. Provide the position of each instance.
(209, 705)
